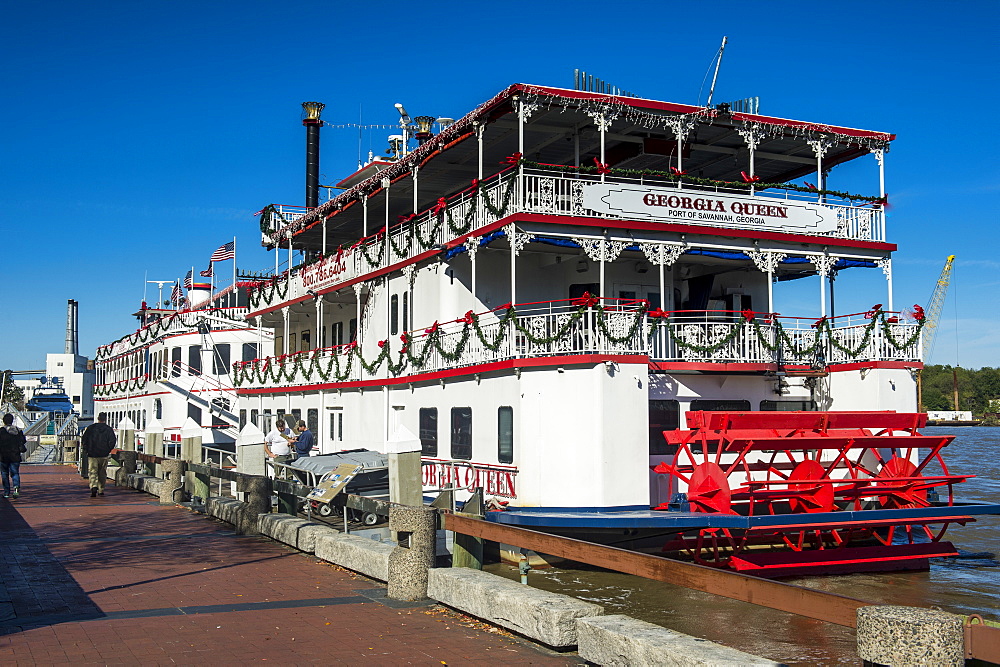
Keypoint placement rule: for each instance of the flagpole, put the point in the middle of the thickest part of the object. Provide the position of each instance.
(235, 299)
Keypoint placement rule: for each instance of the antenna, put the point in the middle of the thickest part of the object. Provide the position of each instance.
(160, 284)
(715, 76)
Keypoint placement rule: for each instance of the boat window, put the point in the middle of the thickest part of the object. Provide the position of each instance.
(461, 433)
(353, 330)
(249, 351)
(664, 415)
(337, 424)
(406, 311)
(720, 405)
(255, 418)
(296, 416)
(220, 357)
(306, 339)
(788, 405)
(505, 434)
(429, 431)
(194, 412)
(394, 314)
(243, 419)
(175, 358)
(194, 359)
(337, 333)
(158, 408)
(312, 420)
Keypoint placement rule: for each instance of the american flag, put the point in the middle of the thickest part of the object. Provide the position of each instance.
(187, 279)
(227, 251)
(175, 293)
(207, 273)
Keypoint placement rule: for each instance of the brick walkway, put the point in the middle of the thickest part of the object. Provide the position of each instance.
(122, 580)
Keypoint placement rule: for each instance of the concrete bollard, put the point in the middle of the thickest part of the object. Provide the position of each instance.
(127, 466)
(408, 565)
(173, 481)
(71, 449)
(904, 636)
(257, 501)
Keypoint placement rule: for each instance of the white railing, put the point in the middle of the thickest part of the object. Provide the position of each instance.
(560, 328)
(540, 330)
(544, 191)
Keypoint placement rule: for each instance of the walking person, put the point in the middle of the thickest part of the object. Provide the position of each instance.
(98, 441)
(11, 447)
(304, 443)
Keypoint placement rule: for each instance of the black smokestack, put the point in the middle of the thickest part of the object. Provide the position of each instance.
(312, 123)
(72, 328)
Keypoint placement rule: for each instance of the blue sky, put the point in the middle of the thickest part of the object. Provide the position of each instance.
(138, 137)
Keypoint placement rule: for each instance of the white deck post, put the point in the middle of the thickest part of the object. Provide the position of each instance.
(357, 306)
(319, 322)
(364, 215)
(480, 130)
(385, 230)
(324, 237)
(284, 340)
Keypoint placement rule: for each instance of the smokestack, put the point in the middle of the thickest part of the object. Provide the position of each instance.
(312, 123)
(72, 327)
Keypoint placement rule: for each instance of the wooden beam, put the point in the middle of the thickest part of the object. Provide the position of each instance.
(829, 607)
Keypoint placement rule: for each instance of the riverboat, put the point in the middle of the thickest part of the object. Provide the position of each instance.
(570, 298)
(175, 371)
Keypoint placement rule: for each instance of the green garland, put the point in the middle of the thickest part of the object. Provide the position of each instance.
(338, 366)
(120, 387)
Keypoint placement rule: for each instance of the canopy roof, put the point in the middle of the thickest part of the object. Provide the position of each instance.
(642, 134)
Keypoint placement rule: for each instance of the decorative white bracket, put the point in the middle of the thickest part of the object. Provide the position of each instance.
(663, 254)
(517, 240)
(766, 260)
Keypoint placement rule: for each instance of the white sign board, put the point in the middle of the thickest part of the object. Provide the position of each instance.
(709, 208)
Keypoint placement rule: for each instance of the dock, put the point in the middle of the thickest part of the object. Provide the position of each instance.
(124, 580)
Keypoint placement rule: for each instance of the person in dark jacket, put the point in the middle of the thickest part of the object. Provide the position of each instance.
(11, 446)
(98, 441)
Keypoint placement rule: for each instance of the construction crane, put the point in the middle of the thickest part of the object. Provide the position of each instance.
(935, 305)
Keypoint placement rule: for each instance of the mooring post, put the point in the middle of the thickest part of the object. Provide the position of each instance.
(414, 555)
(153, 445)
(905, 636)
(127, 461)
(191, 452)
(173, 481)
(257, 490)
(126, 435)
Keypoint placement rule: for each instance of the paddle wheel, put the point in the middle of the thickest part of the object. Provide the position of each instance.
(812, 491)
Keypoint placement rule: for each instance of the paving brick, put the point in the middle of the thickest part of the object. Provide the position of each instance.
(124, 580)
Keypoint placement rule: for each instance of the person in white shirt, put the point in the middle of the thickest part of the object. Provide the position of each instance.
(276, 443)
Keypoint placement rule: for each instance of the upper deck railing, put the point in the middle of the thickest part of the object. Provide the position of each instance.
(588, 326)
(552, 192)
(183, 321)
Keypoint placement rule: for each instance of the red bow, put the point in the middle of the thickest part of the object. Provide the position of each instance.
(475, 184)
(406, 218)
(352, 345)
(656, 313)
(382, 343)
(601, 167)
(811, 186)
(818, 323)
(506, 306)
(468, 319)
(513, 159)
(406, 343)
(871, 313)
(440, 206)
(678, 172)
(918, 313)
(432, 329)
(588, 300)
(748, 315)
(882, 201)
(747, 178)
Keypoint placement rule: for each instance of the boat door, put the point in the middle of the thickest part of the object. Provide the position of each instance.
(631, 291)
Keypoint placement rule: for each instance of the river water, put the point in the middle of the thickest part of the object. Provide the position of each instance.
(967, 584)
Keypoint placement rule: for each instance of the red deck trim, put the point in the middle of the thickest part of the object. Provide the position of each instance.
(508, 364)
(791, 369)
